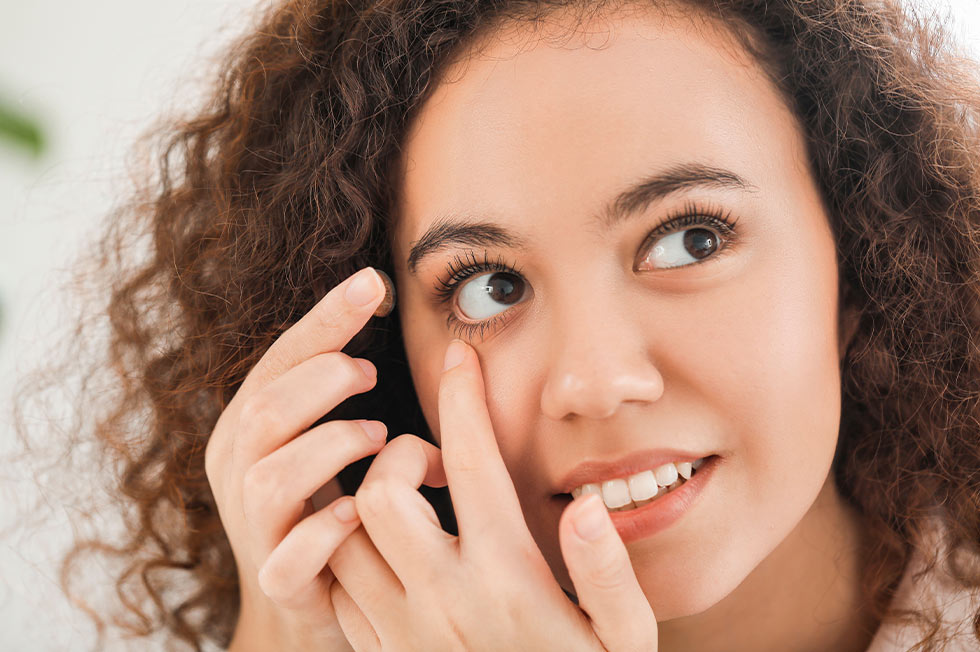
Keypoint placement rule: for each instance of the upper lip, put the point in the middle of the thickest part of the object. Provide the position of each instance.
(598, 471)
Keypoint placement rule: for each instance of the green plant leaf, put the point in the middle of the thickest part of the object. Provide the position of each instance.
(20, 130)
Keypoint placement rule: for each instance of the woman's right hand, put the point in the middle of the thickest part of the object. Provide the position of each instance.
(264, 463)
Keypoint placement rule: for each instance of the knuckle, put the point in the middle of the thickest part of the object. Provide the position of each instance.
(407, 445)
(373, 498)
(353, 438)
(340, 369)
(607, 571)
(260, 486)
(330, 317)
(350, 373)
(217, 448)
(260, 412)
(275, 583)
(270, 581)
(528, 556)
(211, 461)
(346, 440)
(270, 366)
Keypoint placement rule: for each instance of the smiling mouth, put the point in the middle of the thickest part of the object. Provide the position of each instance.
(650, 518)
(627, 494)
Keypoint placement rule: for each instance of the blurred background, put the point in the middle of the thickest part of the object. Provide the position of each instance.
(78, 83)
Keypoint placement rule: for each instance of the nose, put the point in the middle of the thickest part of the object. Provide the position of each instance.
(599, 357)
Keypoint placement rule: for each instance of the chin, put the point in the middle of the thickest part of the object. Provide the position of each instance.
(676, 592)
(669, 603)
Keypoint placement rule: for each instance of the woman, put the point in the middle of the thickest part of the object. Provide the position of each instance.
(723, 249)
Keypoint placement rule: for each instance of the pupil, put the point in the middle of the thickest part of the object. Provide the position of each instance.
(700, 242)
(502, 287)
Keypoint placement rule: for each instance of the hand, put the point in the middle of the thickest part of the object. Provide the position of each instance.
(406, 584)
(263, 466)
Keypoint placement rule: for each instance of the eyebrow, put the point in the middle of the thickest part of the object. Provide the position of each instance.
(455, 229)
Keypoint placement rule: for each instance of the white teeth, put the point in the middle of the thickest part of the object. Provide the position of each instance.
(615, 493)
(590, 488)
(684, 468)
(642, 486)
(666, 474)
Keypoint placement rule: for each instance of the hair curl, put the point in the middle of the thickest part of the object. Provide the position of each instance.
(281, 186)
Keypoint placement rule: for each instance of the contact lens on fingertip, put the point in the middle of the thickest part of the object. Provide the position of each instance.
(388, 303)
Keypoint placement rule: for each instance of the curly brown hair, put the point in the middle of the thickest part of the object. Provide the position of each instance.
(281, 186)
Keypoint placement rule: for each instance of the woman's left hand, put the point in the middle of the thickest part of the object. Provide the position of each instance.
(406, 584)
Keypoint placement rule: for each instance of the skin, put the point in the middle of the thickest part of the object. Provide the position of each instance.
(736, 355)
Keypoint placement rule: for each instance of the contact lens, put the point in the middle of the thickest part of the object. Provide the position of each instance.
(388, 303)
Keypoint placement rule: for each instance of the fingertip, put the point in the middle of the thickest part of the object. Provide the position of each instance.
(590, 518)
(455, 353)
(605, 584)
(345, 510)
(361, 289)
(370, 371)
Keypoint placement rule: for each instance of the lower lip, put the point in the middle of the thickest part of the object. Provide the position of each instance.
(646, 521)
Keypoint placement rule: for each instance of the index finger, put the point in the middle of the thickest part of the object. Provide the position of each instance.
(328, 326)
(485, 501)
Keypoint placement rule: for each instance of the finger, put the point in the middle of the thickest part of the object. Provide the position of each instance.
(294, 574)
(606, 585)
(285, 407)
(401, 523)
(328, 326)
(277, 488)
(355, 626)
(366, 576)
(487, 509)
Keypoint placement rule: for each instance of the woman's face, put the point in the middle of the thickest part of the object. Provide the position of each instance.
(607, 340)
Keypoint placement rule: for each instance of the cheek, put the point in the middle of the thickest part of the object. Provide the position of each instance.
(513, 405)
(780, 386)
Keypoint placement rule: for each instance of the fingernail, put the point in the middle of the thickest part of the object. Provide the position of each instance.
(454, 355)
(375, 430)
(590, 518)
(364, 287)
(344, 510)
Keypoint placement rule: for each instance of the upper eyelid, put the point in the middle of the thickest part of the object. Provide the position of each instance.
(728, 232)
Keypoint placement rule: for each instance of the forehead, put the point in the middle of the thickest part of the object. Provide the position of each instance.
(528, 125)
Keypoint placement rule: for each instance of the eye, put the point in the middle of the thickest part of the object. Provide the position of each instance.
(681, 248)
(482, 289)
(480, 298)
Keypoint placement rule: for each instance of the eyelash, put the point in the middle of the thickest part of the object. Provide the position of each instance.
(459, 270)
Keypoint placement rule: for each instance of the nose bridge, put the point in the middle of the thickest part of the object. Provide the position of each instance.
(599, 350)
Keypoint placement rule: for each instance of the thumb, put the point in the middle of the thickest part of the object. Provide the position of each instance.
(607, 588)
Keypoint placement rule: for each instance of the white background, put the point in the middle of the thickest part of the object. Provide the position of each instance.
(95, 73)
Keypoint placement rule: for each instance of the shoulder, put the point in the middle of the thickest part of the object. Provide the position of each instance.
(936, 592)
